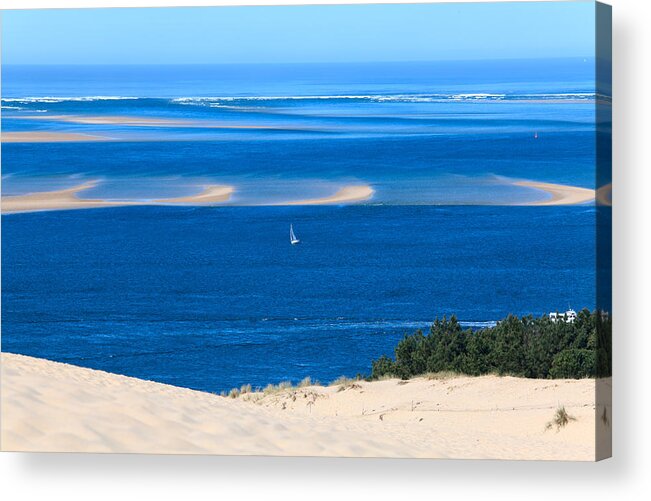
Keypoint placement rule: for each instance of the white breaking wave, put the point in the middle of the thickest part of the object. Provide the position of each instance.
(54, 99)
(218, 101)
(226, 101)
(479, 96)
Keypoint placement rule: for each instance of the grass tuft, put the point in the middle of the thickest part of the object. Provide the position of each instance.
(346, 383)
(270, 389)
(342, 380)
(561, 419)
(442, 375)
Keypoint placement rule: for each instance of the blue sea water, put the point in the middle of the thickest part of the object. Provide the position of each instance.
(212, 298)
(451, 132)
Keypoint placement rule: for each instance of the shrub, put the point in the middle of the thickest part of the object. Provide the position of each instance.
(382, 367)
(573, 363)
(524, 347)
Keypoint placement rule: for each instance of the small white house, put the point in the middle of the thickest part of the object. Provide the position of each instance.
(569, 316)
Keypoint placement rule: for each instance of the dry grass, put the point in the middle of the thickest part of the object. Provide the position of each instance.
(346, 383)
(342, 380)
(270, 389)
(561, 419)
(234, 393)
(440, 376)
(245, 388)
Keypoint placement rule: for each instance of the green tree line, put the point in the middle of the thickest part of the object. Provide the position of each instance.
(525, 347)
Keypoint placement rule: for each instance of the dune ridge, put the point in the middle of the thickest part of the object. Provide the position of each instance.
(49, 406)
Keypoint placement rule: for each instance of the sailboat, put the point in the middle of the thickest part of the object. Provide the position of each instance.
(292, 236)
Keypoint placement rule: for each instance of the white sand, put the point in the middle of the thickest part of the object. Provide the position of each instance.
(48, 137)
(561, 194)
(149, 122)
(47, 406)
(67, 199)
(214, 193)
(346, 195)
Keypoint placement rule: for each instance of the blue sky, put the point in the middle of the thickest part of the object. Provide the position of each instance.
(347, 33)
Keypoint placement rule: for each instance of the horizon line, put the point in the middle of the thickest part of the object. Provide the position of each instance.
(266, 63)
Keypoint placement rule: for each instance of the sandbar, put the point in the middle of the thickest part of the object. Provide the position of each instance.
(346, 195)
(560, 194)
(137, 121)
(48, 137)
(68, 199)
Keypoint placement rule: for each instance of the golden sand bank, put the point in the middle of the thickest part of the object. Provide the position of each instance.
(48, 406)
(560, 194)
(135, 121)
(347, 194)
(218, 194)
(67, 199)
(212, 194)
(49, 137)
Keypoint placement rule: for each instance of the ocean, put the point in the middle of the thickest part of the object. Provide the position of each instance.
(215, 297)
(417, 132)
(212, 298)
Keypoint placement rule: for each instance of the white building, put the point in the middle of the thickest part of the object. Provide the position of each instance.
(569, 316)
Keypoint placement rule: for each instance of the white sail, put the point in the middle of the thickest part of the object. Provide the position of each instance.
(292, 237)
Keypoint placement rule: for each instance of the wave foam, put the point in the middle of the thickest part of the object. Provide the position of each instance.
(54, 99)
(219, 101)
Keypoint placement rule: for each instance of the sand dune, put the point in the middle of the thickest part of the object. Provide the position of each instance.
(47, 406)
(561, 194)
(347, 194)
(67, 199)
(48, 137)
